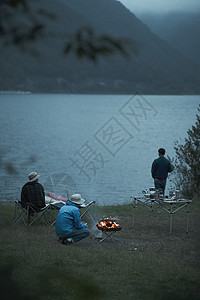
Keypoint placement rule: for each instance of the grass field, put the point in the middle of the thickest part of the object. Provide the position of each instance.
(144, 263)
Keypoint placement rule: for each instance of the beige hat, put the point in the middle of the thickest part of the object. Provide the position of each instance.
(76, 198)
(33, 176)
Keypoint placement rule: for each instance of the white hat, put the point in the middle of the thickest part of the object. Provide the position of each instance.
(33, 176)
(76, 198)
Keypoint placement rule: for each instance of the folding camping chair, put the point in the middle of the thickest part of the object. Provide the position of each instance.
(29, 214)
(20, 213)
(85, 210)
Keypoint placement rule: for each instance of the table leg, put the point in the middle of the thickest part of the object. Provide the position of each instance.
(133, 215)
(187, 223)
(171, 215)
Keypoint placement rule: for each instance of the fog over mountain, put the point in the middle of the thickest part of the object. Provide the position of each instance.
(158, 68)
(163, 7)
(181, 30)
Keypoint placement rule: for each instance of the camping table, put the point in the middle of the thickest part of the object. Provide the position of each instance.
(149, 203)
(173, 206)
(170, 206)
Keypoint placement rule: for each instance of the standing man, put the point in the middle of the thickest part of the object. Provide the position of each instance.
(33, 192)
(160, 169)
(69, 227)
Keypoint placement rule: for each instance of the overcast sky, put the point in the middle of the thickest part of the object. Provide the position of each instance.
(139, 6)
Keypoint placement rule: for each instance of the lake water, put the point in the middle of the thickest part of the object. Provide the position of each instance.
(101, 146)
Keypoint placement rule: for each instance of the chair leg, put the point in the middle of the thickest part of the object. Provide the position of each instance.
(25, 214)
(20, 213)
(42, 214)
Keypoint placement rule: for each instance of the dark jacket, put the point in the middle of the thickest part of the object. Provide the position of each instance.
(33, 192)
(160, 168)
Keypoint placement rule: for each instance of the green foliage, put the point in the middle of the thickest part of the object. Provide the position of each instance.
(187, 161)
(86, 44)
(9, 287)
(20, 24)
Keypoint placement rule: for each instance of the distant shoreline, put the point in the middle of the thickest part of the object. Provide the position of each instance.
(15, 92)
(97, 93)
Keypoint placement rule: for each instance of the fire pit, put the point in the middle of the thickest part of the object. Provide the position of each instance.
(109, 227)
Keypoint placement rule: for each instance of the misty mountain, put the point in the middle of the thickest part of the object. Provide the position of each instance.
(158, 68)
(181, 30)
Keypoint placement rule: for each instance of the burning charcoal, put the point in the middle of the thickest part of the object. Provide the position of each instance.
(108, 225)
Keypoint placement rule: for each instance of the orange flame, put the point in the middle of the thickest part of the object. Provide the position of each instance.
(108, 224)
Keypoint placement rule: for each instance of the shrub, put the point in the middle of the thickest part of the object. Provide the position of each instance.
(187, 161)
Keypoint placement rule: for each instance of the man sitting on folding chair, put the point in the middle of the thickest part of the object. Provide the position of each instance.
(33, 193)
(69, 227)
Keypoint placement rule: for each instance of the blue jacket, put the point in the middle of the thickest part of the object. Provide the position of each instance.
(160, 168)
(68, 219)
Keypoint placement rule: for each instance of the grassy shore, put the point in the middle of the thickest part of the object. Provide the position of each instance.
(144, 263)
